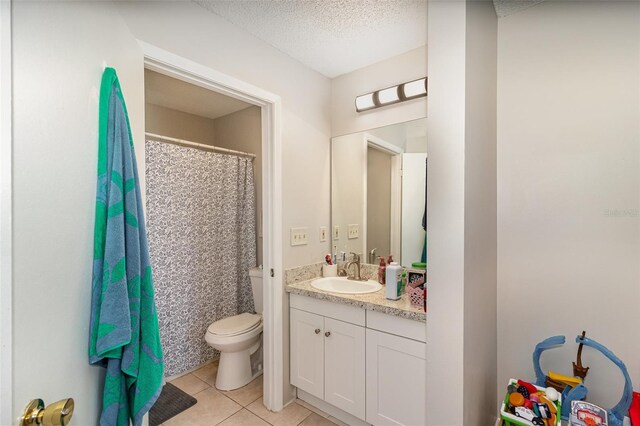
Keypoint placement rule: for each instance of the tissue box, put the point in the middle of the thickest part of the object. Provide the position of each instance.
(416, 295)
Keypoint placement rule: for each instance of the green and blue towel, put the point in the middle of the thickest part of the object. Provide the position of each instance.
(125, 337)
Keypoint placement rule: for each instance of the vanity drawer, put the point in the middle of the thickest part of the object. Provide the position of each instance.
(416, 330)
(337, 311)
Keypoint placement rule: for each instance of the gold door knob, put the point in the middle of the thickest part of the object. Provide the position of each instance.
(57, 414)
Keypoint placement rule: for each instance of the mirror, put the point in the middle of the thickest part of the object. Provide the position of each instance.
(378, 193)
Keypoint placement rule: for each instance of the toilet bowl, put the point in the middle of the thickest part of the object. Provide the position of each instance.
(238, 338)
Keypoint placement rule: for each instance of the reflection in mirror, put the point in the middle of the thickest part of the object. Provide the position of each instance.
(378, 193)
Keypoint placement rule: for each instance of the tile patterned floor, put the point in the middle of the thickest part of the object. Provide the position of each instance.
(240, 407)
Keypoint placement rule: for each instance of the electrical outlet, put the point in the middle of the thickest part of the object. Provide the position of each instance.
(336, 232)
(299, 236)
(323, 234)
(353, 231)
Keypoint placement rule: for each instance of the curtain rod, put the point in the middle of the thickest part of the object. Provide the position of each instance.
(201, 145)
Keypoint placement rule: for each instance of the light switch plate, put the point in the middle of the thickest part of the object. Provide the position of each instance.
(336, 232)
(353, 231)
(323, 234)
(299, 236)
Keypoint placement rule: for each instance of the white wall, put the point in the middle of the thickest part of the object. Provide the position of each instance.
(568, 160)
(58, 51)
(461, 328)
(178, 124)
(348, 198)
(398, 69)
(445, 210)
(480, 235)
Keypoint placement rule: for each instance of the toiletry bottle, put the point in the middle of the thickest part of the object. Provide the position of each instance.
(425, 298)
(404, 282)
(382, 271)
(390, 259)
(393, 281)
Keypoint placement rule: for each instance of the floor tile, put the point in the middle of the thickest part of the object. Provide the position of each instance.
(337, 421)
(316, 420)
(190, 384)
(244, 418)
(312, 408)
(246, 394)
(291, 415)
(208, 373)
(212, 408)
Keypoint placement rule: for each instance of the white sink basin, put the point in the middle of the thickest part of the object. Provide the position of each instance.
(345, 286)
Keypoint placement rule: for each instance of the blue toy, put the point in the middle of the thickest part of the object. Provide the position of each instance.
(579, 392)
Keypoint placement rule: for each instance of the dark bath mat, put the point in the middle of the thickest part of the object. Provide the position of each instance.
(172, 401)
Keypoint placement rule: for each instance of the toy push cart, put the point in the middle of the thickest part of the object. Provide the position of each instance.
(512, 419)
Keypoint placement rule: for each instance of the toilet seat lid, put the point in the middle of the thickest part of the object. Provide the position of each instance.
(234, 325)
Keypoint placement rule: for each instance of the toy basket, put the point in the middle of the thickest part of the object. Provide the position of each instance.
(509, 419)
(416, 295)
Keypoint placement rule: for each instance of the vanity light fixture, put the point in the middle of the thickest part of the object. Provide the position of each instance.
(392, 95)
(365, 102)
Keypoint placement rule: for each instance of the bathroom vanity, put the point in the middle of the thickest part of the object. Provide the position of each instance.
(359, 357)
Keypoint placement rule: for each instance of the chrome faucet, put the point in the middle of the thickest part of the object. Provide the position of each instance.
(372, 256)
(356, 262)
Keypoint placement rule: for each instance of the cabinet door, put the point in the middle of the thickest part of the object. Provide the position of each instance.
(307, 352)
(344, 366)
(396, 387)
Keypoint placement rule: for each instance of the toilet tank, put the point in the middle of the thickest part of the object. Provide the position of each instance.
(256, 285)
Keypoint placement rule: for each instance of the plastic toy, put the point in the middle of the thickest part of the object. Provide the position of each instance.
(526, 404)
(528, 415)
(579, 391)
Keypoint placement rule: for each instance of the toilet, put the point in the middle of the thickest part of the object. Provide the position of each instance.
(239, 340)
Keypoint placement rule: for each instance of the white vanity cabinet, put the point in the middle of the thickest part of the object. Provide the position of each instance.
(328, 355)
(307, 351)
(344, 366)
(367, 364)
(396, 387)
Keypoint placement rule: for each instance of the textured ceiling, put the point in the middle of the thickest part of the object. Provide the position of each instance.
(509, 7)
(176, 94)
(333, 37)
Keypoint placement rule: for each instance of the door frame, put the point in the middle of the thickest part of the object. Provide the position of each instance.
(371, 141)
(164, 62)
(6, 247)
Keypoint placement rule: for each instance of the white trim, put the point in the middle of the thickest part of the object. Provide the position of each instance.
(396, 207)
(332, 410)
(6, 280)
(382, 145)
(365, 202)
(167, 63)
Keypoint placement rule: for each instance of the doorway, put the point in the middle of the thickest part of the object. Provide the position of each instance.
(167, 64)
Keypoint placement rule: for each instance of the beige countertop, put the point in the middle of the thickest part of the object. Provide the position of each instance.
(370, 301)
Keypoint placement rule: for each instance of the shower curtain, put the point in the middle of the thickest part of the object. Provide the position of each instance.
(202, 242)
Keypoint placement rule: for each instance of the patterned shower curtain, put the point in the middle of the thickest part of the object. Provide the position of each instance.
(202, 242)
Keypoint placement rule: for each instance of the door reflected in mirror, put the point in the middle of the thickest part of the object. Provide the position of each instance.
(378, 193)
